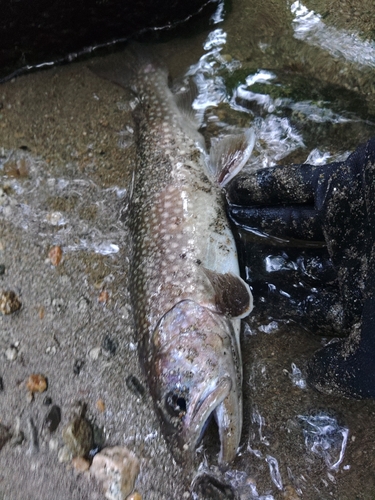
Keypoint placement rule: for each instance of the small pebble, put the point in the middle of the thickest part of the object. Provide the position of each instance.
(47, 401)
(103, 297)
(9, 302)
(134, 496)
(29, 397)
(98, 284)
(290, 493)
(95, 353)
(55, 255)
(41, 312)
(99, 440)
(77, 366)
(5, 435)
(64, 454)
(100, 405)
(18, 436)
(55, 218)
(109, 345)
(52, 419)
(134, 385)
(83, 304)
(36, 383)
(51, 350)
(117, 469)
(78, 436)
(53, 444)
(58, 304)
(11, 353)
(32, 432)
(80, 464)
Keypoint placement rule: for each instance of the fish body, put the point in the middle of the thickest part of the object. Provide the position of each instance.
(187, 295)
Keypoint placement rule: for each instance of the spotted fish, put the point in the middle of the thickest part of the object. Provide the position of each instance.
(186, 290)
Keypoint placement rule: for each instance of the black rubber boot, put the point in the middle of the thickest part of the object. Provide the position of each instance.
(347, 367)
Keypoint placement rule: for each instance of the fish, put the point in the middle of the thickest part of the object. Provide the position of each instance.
(187, 294)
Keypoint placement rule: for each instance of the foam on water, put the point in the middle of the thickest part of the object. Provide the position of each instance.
(274, 472)
(276, 136)
(297, 377)
(25, 203)
(325, 438)
(309, 27)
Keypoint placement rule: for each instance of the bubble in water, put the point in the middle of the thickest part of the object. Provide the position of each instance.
(325, 437)
(274, 471)
(296, 377)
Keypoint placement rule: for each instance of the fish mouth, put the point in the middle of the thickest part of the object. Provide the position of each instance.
(225, 405)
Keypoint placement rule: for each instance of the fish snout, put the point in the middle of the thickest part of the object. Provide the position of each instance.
(223, 403)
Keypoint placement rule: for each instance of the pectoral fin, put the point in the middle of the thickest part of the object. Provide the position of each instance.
(229, 154)
(232, 295)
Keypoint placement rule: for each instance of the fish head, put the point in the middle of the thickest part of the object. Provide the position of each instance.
(196, 373)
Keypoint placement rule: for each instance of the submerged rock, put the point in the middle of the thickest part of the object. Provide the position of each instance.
(117, 469)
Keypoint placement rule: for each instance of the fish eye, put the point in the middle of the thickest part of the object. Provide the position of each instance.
(175, 403)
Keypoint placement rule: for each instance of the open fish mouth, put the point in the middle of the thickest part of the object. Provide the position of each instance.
(224, 405)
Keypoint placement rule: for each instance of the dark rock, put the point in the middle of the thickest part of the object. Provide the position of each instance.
(135, 386)
(1, 384)
(109, 345)
(52, 419)
(5, 435)
(78, 365)
(2, 267)
(47, 401)
(40, 31)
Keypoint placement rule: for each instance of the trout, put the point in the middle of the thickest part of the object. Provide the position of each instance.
(188, 297)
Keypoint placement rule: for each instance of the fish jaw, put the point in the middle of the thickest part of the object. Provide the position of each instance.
(195, 373)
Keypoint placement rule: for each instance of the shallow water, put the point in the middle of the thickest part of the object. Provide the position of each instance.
(306, 85)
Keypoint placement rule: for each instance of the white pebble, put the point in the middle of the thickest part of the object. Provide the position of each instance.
(95, 353)
(11, 353)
